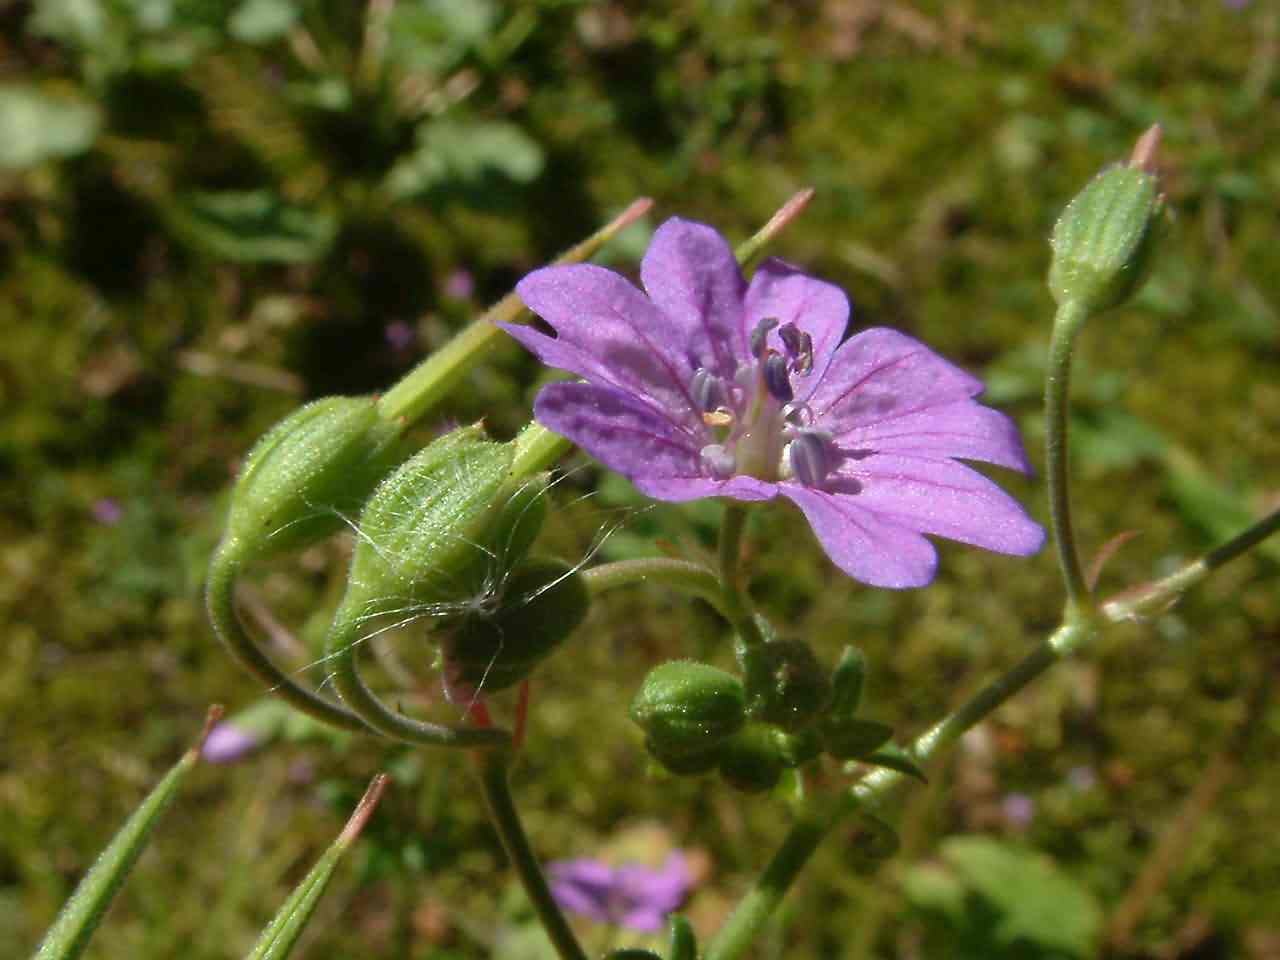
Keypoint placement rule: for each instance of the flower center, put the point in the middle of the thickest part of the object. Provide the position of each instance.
(756, 426)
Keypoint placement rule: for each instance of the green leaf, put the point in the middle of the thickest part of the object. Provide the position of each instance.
(433, 35)
(254, 226)
(280, 936)
(895, 758)
(465, 154)
(262, 21)
(855, 739)
(80, 915)
(36, 126)
(1037, 902)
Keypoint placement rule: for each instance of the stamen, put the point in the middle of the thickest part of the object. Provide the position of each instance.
(799, 345)
(760, 336)
(797, 413)
(716, 461)
(709, 391)
(809, 454)
(777, 379)
(718, 418)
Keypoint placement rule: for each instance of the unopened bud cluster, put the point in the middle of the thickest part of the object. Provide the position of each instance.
(787, 711)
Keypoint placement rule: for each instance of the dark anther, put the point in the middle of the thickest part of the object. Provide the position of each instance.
(810, 457)
(760, 336)
(709, 391)
(777, 378)
(799, 345)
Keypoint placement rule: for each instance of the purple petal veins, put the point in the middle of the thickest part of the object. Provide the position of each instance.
(704, 385)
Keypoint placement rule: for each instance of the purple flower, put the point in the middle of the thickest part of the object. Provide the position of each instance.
(107, 511)
(632, 896)
(228, 743)
(1019, 809)
(703, 385)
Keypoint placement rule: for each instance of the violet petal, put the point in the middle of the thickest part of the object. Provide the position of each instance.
(692, 277)
(961, 428)
(819, 309)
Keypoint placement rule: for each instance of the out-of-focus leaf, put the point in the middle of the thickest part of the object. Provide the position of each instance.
(254, 226)
(35, 126)
(465, 154)
(1114, 439)
(1211, 506)
(896, 758)
(1037, 902)
(262, 21)
(77, 23)
(433, 35)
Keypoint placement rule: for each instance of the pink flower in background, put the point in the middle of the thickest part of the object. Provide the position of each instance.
(228, 743)
(107, 511)
(632, 896)
(704, 385)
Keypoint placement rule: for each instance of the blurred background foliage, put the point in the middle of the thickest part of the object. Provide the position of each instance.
(211, 211)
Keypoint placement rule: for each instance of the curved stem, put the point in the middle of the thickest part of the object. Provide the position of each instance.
(221, 606)
(692, 578)
(341, 657)
(492, 768)
(736, 605)
(1057, 390)
(423, 386)
(755, 909)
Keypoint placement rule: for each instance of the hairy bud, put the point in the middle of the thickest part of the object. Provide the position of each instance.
(751, 760)
(306, 473)
(788, 686)
(687, 709)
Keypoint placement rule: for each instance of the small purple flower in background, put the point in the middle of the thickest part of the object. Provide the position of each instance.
(1082, 778)
(399, 335)
(1019, 810)
(703, 385)
(228, 743)
(632, 895)
(460, 285)
(107, 511)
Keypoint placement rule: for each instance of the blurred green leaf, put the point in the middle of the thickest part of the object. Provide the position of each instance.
(254, 226)
(262, 21)
(35, 126)
(77, 23)
(433, 35)
(1036, 901)
(453, 152)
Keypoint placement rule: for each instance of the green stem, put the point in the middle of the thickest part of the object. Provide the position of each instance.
(1154, 597)
(736, 605)
(423, 386)
(344, 638)
(1057, 390)
(692, 578)
(755, 909)
(492, 770)
(220, 602)
(537, 449)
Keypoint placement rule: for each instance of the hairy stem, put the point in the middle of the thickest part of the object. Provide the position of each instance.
(492, 769)
(221, 605)
(344, 637)
(690, 577)
(1057, 389)
(736, 606)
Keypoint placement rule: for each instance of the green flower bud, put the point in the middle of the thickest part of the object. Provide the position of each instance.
(688, 708)
(306, 474)
(787, 685)
(1103, 240)
(797, 749)
(425, 536)
(539, 605)
(684, 764)
(750, 761)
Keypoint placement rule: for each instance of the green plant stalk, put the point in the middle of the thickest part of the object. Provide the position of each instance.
(281, 934)
(1057, 390)
(492, 768)
(221, 606)
(425, 385)
(340, 655)
(756, 907)
(735, 605)
(692, 578)
(79, 916)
